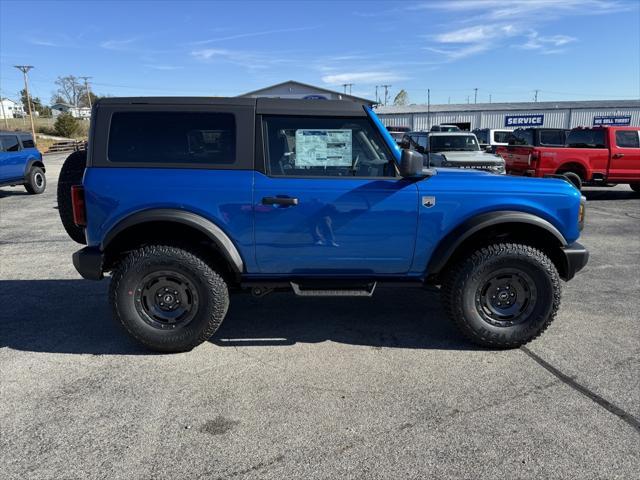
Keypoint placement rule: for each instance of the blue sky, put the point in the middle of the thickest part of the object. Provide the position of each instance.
(569, 50)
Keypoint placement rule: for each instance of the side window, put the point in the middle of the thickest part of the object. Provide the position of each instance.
(10, 143)
(627, 139)
(28, 143)
(503, 137)
(586, 138)
(551, 137)
(178, 138)
(332, 147)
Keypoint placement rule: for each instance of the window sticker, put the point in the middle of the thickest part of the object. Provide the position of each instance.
(323, 148)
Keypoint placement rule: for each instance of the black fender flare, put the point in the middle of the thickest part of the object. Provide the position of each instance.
(210, 229)
(30, 163)
(450, 243)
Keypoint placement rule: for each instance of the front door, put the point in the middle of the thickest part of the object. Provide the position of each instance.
(329, 201)
(625, 155)
(12, 160)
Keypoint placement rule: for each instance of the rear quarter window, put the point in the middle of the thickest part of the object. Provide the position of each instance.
(28, 143)
(628, 139)
(172, 138)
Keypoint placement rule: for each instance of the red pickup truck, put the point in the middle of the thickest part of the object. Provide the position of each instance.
(597, 155)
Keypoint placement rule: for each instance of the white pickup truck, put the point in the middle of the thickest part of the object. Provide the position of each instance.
(453, 149)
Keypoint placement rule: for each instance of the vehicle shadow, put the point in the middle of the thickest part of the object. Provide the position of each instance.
(595, 195)
(73, 316)
(13, 192)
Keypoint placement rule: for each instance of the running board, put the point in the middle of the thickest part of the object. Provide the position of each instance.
(343, 292)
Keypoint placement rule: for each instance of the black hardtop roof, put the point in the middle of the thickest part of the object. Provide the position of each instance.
(7, 132)
(283, 106)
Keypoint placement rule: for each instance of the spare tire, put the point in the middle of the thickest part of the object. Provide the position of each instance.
(71, 174)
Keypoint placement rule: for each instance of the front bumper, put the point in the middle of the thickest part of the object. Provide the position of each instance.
(575, 258)
(88, 262)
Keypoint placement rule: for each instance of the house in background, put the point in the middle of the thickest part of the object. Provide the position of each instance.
(77, 112)
(293, 89)
(11, 109)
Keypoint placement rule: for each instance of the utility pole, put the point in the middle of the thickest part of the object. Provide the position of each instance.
(24, 69)
(489, 98)
(535, 95)
(345, 85)
(475, 95)
(386, 90)
(4, 115)
(86, 88)
(428, 108)
(467, 99)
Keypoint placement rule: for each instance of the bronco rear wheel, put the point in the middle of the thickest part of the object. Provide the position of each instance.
(71, 174)
(635, 187)
(503, 295)
(168, 298)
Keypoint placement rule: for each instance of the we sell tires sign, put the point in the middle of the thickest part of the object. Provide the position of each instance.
(523, 120)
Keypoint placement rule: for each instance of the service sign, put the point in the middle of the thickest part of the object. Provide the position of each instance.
(523, 120)
(612, 120)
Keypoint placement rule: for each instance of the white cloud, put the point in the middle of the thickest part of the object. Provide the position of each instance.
(118, 44)
(475, 34)
(254, 34)
(362, 77)
(162, 67)
(536, 42)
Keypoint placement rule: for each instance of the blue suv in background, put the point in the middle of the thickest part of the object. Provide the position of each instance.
(187, 200)
(21, 162)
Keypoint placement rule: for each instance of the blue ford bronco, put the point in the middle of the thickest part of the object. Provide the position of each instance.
(21, 162)
(186, 200)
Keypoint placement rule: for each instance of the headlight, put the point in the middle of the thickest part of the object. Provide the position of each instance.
(581, 212)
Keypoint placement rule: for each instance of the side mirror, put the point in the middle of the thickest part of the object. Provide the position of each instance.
(411, 164)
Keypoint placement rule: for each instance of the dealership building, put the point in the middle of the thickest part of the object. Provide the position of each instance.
(514, 115)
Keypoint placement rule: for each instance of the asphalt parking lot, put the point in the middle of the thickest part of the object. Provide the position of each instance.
(305, 388)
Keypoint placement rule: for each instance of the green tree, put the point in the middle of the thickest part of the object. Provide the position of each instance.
(66, 125)
(36, 103)
(402, 98)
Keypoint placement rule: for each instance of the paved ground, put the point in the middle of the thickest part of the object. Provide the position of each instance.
(303, 388)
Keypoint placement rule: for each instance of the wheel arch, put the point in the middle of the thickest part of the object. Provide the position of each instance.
(576, 166)
(175, 226)
(33, 162)
(499, 226)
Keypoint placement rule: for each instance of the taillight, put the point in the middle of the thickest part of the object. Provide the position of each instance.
(77, 202)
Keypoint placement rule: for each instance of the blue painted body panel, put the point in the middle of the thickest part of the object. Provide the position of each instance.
(13, 165)
(341, 226)
(221, 196)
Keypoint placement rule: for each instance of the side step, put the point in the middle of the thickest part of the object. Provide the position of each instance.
(367, 291)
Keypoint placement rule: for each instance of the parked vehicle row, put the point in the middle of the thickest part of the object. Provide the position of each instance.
(453, 150)
(21, 162)
(594, 156)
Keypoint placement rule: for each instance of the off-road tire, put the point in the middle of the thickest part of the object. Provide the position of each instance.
(462, 286)
(635, 187)
(128, 281)
(575, 179)
(71, 174)
(36, 181)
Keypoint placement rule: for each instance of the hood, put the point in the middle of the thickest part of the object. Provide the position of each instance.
(467, 158)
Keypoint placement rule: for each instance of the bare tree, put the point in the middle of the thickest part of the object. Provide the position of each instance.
(69, 90)
(402, 98)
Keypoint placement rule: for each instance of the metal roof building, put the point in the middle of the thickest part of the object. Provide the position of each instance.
(294, 89)
(514, 115)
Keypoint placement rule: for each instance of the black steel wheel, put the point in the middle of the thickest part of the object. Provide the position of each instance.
(36, 181)
(502, 295)
(168, 298)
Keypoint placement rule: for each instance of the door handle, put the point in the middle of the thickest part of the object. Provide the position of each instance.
(617, 155)
(285, 201)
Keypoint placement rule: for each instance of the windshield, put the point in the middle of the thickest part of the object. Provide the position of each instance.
(453, 143)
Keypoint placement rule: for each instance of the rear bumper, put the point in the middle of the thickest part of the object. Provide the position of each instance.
(575, 258)
(88, 262)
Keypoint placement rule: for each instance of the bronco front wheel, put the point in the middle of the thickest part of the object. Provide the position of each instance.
(503, 295)
(168, 298)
